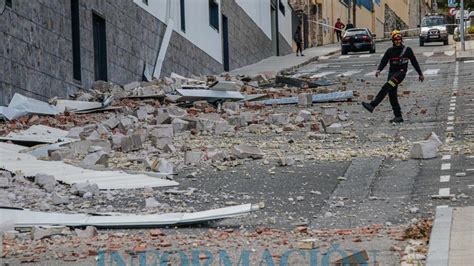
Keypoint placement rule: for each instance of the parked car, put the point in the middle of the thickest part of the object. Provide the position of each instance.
(357, 40)
(433, 29)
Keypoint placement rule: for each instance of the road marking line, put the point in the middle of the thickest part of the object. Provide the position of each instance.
(468, 61)
(452, 108)
(431, 72)
(449, 53)
(365, 55)
(450, 113)
(450, 118)
(446, 157)
(428, 54)
(344, 56)
(453, 97)
(444, 178)
(449, 128)
(470, 157)
(452, 104)
(444, 192)
(445, 166)
(452, 101)
(470, 186)
(322, 74)
(324, 57)
(350, 73)
(450, 123)
(469, 170)
(456, 76)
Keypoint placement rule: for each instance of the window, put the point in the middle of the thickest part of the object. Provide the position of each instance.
(76, 43)
(281, 6)
(214, 14)
(183, 15)
(100, 47)
(8, 3)
(145, 2)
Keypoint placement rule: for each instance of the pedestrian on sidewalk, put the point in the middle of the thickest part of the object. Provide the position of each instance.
(349, 25)
(299, 41)
(338, 29)
(398, 56)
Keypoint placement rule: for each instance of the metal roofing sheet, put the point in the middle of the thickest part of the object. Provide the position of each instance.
(38, 134)
(19, 217)
(12, 160)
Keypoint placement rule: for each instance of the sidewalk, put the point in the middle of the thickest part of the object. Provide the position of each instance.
(465, 55)
(272, 65)
(452, 237)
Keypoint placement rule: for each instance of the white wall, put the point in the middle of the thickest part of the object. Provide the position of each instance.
(198, 30)
(284, 23)
(259, 12)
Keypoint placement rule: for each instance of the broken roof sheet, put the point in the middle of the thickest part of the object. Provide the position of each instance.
(31, 105)
(200, 94)
(23, 218)
(38, 134)
(324, 97)
(12, 160)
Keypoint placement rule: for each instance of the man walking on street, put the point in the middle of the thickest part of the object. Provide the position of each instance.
(298, 40)
(349, 25)
(338, 29)
(398, 55)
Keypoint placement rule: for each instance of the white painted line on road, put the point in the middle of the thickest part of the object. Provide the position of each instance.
(324, 57)
(444, 192)
(350, 73)
(452, 108)
(452, 104)
(445, 166)
(468, 61)
(322, 74)
(456, 76)
(370, 73)
(344, 56)
(453, 97)
(428, 54)
(449, 128)
(450, 123)
(444, 178)
(446, 157)
(452, 101)
(365, 55)
(431, 72)
(450, 118)
(450, 113)
(449, 53)
(469, 170)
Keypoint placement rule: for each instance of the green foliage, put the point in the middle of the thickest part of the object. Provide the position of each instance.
(470, 30)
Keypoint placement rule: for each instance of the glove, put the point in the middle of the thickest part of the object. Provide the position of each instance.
(377, 73)
(421, 78)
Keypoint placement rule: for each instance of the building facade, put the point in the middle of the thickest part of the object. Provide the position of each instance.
(379, 16)
(53, 47)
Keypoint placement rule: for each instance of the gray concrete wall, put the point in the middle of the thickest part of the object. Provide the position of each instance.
(36, 46)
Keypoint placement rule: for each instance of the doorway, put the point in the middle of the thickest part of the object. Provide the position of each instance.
(225, 43)
(100, 47)
(274, 21)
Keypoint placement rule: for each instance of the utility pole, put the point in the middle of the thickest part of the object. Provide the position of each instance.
(463, 44)
(354, 11)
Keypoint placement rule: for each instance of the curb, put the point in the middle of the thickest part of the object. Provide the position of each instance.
(307, 62)
(464, 58)
(438, 253)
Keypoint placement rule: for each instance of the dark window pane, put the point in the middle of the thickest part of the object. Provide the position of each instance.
(76, 43)
(214, 14)
(183, 15)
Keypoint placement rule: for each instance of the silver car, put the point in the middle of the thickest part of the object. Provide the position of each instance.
(433, 29)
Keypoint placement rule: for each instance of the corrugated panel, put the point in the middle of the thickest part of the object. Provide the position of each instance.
(12, 160)
(38, 134)
(324, 97)
(19, 217)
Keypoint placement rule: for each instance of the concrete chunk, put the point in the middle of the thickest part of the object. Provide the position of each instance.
(111, 122)
(131, 143)
(179, 125)
(95, 158)
(46, 181)
(335, 128)
(89, 232)
(243, 151)
(84, 187)
(278, 119)
(306, 115)
(165, 167)
(305, 99)
(40, 232)
(58, 199)
(193, 157)
(234, 106)
(59, 154)
(426, 149)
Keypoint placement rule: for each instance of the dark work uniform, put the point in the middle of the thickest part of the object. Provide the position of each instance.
(397, 72)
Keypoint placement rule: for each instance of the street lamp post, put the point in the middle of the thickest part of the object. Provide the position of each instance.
(463, 44)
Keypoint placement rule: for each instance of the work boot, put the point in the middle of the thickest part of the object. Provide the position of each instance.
(397, 119)
(368, 106)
